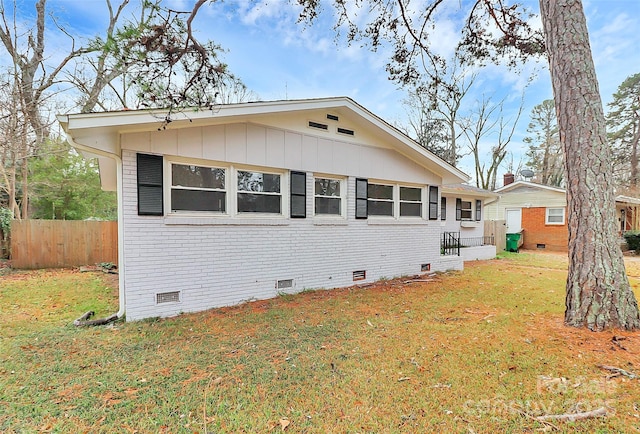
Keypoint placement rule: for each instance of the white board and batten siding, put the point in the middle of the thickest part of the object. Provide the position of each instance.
(211, 261)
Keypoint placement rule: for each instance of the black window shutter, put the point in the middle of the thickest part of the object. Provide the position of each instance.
(443, 208)
(458, 209)
(478, 210)
(298, 195)
(150, 184)
(362, 209)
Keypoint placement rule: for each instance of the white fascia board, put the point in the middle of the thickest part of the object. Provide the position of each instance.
(528, 184)
(628, 200)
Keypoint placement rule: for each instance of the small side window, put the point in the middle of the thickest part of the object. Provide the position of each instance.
(298, 195)
(149, 169)
(433, 202)
(362, 205)
(555, 216)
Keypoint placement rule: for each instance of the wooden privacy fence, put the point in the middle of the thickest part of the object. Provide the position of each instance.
(497, 228)
(62, 243)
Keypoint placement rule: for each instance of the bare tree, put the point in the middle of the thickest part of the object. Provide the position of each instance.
(154, 59)
(436, 104)
(488, 119)
(15, 144)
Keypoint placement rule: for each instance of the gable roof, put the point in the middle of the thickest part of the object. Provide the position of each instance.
(468, 190)
(97, 133)
(528, 184)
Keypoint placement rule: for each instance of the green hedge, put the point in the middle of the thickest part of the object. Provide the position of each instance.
(633, 239)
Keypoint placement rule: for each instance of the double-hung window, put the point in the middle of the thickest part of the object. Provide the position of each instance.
(198, 188)
(463, 210)
(555, 216)
(328, 196)
(380, 200)
(410, 202)
(259, 192)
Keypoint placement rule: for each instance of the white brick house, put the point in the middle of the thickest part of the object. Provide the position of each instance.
(251, 200)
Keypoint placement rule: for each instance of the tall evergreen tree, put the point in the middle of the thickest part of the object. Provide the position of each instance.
(623, 123)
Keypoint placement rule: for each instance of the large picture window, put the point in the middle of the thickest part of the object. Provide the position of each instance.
(328, 198)
(411, 202)
(259, 192)
(380, 199)
(198, 188)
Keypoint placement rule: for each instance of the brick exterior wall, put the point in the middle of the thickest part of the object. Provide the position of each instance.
(553, 237)
(215, 264)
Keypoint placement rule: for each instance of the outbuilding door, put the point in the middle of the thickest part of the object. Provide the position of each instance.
(514, 220)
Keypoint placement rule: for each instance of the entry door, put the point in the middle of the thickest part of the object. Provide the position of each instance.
(514, 220)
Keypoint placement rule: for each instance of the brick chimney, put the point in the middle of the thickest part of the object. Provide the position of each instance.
(509, 178)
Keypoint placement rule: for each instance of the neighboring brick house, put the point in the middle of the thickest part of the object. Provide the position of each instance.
(539, 213)
(251, 200)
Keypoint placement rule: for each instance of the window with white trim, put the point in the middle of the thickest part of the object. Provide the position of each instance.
(463, 210)
(380, 200)
(198, 188)
(259, 192)
(328, 196)
(555, 216)
(410, 202)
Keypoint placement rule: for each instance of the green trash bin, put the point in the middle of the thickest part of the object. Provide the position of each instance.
(512, 242)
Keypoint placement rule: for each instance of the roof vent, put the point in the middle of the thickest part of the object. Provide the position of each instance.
(332, 117)
(346, 131)
(318, 125)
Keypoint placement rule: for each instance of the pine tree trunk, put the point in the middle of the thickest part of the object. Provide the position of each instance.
(598, 292)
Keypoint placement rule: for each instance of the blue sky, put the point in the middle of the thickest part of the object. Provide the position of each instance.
(278, 58)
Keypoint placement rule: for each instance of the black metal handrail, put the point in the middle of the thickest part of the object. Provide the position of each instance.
(451, 242)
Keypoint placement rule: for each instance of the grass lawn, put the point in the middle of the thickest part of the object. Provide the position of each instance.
(484, 350)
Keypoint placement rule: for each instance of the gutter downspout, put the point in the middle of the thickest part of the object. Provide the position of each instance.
(121, 267)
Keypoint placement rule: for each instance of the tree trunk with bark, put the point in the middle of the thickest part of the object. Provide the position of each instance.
(598, 292)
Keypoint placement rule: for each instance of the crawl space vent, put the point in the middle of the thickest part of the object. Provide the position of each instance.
(284, 284)
(425, 267)
(359, 275)
(168, 297)
(318, 125)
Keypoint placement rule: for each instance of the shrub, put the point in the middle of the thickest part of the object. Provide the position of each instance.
(633, 240)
